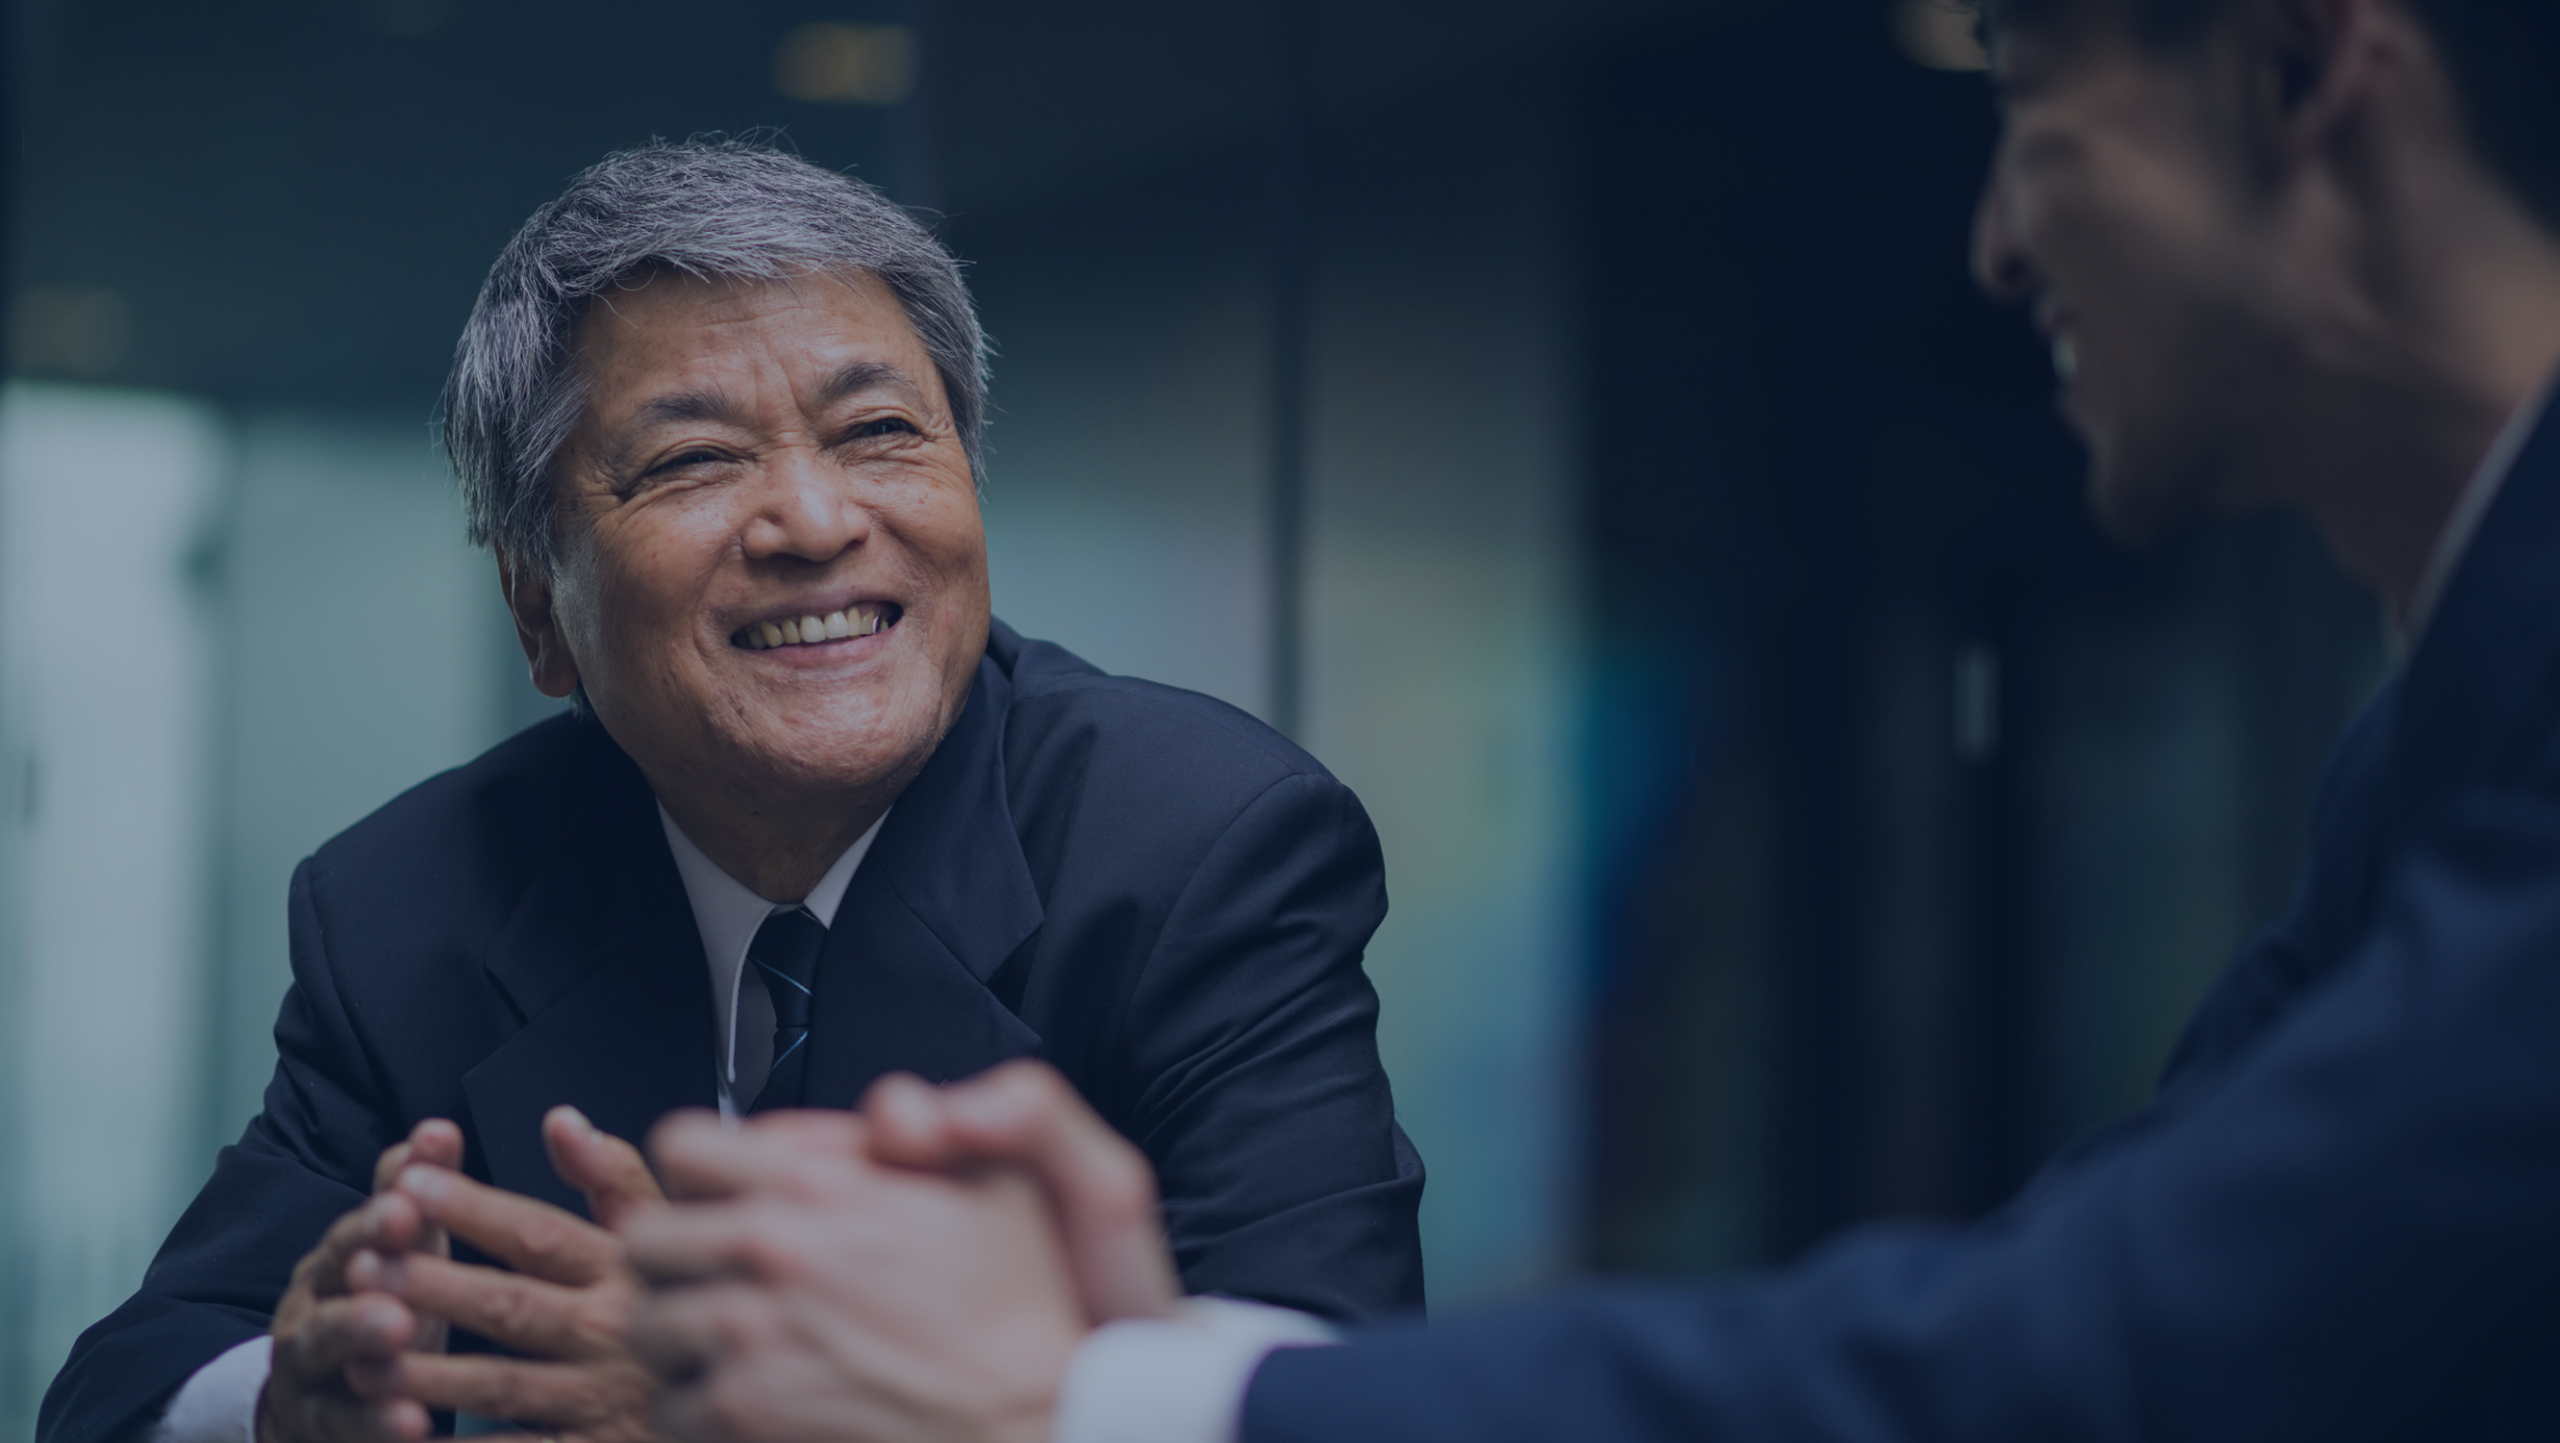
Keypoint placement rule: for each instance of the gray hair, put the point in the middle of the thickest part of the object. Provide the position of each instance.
(712, 209)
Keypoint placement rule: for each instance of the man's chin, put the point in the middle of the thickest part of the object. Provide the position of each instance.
(873, 754)
(2140, 501)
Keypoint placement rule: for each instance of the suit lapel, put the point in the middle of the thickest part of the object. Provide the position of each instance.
(2477, 689)
(604, 963)
(2482, 675)
(2328, 907)
(944, 898)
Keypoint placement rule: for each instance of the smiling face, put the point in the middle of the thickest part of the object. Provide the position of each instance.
(2118, 206)
(772, 577)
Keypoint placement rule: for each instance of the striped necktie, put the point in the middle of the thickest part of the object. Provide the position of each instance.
(785, 952)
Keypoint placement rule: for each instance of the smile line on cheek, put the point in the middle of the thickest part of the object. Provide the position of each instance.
(862, 619)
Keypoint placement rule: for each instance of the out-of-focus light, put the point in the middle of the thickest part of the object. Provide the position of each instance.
(411, 19)
(1939, 34)
(68, 331)
(838, 64)
(1977, 701)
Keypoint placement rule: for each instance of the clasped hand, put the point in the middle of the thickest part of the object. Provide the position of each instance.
(359, 1335)
(922, 1270)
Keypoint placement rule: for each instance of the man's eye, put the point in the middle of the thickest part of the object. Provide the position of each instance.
(682, 459)
(885, 426)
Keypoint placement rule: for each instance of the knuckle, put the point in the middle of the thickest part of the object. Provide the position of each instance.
(622, 1391)
(1031, 1082)
(510, 1394)
(509, 1310)
(735, 1328)
(769, 1255)
(1122, 1205)
(609, 1309)
(546, 1244)
(736, 1409)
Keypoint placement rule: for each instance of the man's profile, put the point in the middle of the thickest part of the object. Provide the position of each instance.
(2288, 252)
(816, 816)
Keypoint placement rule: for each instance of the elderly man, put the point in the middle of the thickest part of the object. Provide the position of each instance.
(815, 817)
(2288, 251)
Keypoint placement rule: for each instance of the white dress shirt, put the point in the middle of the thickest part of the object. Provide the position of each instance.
(219, 1402)
(2487, 479)
(728, 915)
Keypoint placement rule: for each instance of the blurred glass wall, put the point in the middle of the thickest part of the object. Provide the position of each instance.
(1129, 518)
(106, 706)
(227, 637)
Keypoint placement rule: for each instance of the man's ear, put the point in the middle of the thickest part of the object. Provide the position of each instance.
(2313, 64)
(527, 588)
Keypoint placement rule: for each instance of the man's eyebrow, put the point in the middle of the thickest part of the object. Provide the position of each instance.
(680, 407)
(687, 406)
(862, 376)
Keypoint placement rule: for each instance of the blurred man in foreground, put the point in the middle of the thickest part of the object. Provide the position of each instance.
(2298, 252)
(817, 817)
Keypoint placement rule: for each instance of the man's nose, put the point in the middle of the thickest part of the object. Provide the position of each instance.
(1999, 266)
(808, 509)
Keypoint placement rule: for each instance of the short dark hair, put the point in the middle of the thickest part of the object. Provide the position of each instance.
(2503, 55)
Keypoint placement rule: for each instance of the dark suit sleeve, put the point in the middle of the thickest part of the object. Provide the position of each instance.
(2354, 1234)
(1252, 1077)
(304, 1161)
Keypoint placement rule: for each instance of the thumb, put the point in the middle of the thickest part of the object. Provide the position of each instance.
(595, 1162)
(1025, 1115)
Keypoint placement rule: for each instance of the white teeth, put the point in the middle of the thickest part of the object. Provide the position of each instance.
(2066, 357)
(865, 619)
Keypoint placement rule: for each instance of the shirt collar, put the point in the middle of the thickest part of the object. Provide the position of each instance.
(2468, 509)
(728, 912)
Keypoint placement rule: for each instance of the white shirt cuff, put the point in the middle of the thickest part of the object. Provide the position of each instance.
(1175, 1380)
(219, 1403)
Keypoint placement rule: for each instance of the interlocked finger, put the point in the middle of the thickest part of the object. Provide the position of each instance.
(1026, 1115)
(390, 1222)
(433, 1141)
(676, 1245)
(310, 1393)
(528, 1235)
(607, 1169)
(524, 1313)
(700, 1158)
(565, 1395)
(338, 1418)
(677, 1335)
(341, 1331)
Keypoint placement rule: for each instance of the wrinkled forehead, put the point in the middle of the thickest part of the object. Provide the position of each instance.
(680, 329)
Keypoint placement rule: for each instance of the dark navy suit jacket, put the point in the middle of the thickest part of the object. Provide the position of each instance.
(1149, 888)
(2339, 1220)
